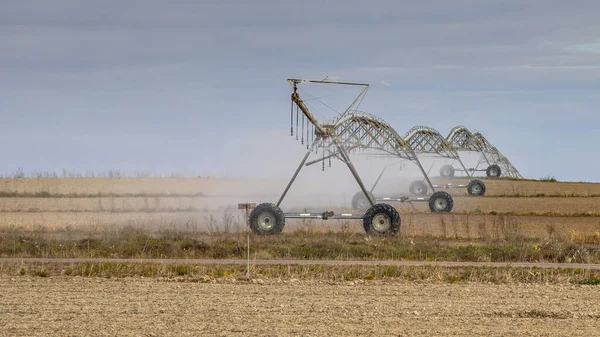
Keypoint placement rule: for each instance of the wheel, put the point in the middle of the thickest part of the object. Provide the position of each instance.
(441, 201)
(359, 201)
(476, 187)
(381, 219)
(418, 187)
(447, 171)
(266, 219)
(493, 171)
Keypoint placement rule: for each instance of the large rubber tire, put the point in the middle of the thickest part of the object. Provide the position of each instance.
(441, 201)
(381, 219)
(360, 202)
(493, 171)
(266, 219)
(417, 187)
(447, 171)
(476, 187)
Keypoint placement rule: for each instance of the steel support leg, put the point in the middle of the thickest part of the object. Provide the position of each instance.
(294, 177)
(381, 175)
(378, 178)
(485, 158)
(354, 173)
(464, 168)
(425, 174)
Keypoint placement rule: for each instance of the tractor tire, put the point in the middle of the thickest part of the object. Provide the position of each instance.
(417, 187)
(476, 187)
(441, 201)
(266, 219)
(360, 202)
(381, 219)
(447, 171)
(493, 171)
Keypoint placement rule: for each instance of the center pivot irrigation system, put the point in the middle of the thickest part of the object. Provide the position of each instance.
(427, 141)
(351, 131)
(423, 140)
(466, 141)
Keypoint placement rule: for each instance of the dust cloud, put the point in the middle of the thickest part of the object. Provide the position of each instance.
(326, 184)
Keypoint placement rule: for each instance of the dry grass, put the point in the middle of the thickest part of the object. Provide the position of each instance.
(503, 243)
(583, 238)
(228, 273)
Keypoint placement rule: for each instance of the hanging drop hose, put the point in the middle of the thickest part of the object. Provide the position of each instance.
(291, 117)
(302, 141)
(307, 136)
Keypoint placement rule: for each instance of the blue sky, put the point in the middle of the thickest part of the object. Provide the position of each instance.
(199, 87)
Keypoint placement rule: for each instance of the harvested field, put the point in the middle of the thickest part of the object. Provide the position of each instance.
(134, 306)
(461, 225)
(241, 187)
(527, 208)
(462, 204)
(178, 186)
(505, 187)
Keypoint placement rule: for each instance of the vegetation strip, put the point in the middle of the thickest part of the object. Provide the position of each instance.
(139, 243)
(186, 272)
(397, 263)
(205, 210)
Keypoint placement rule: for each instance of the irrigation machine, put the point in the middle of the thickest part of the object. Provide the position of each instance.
(428, 141)
(491, 160)
(425, 141)
(350, 131)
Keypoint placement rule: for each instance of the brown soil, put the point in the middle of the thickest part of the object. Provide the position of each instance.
(153, 307)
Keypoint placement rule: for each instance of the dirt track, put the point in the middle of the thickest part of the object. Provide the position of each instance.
(151, 307)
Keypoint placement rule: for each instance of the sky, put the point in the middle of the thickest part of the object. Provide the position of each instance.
(199, 87)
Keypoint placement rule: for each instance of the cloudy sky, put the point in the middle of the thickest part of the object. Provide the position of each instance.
(199, 87)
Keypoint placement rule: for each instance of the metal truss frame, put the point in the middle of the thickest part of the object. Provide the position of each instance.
(428, 141)
(353, 131)
(462, 139)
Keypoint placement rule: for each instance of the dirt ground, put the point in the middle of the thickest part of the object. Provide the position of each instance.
(154, 307)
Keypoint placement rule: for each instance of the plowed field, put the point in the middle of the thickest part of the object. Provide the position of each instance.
(153, 307)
